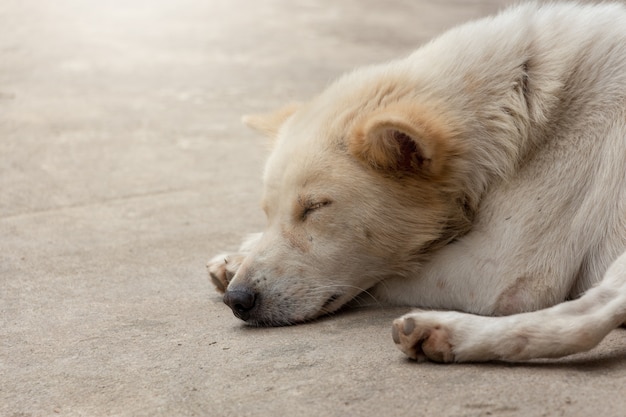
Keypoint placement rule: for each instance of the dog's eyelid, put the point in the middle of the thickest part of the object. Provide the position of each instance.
(319, 204)
(314, 205)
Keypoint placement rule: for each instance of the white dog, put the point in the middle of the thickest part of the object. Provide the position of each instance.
(485, 173)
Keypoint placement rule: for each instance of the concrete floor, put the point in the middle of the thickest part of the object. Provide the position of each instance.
(124, 167)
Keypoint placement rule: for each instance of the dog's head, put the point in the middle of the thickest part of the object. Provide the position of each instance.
(362, 184)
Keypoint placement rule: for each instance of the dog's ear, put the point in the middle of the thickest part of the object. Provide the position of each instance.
(269, 123)
(402, 139)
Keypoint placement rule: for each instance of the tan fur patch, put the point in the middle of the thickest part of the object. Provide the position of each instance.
(270, 123)
(509, 301)
(405, 137)
(295, 240)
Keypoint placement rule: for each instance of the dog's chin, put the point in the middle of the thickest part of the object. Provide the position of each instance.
(277, 319)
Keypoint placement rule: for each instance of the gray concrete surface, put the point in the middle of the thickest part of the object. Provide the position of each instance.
(123, 167)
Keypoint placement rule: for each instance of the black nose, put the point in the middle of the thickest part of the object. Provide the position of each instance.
(241, 301)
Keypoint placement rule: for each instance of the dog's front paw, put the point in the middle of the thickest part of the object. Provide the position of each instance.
(421, 336)
(222, 269)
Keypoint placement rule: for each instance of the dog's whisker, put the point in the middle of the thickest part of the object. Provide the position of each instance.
(358, 297)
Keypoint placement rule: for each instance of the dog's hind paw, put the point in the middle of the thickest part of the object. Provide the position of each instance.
(222, 269)
(421, 336)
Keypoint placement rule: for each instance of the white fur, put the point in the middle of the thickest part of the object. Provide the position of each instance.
(519, 123)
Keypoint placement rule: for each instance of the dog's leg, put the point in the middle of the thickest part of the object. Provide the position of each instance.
(567, 328)
(222, 268)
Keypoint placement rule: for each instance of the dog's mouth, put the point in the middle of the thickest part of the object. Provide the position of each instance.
(274, 317)
(334, 303)
(328, 304)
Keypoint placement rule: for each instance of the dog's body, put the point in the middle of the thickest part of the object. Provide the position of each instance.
(485, 173)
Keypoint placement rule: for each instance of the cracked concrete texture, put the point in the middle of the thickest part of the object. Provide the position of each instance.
(123, 167)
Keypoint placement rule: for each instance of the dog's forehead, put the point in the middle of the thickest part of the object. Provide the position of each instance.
(305, 161)
(295, 162)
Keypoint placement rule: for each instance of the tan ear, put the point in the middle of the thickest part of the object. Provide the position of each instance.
(402, 138)
(269, 123)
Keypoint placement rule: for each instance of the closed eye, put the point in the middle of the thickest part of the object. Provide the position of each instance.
(310, 208)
